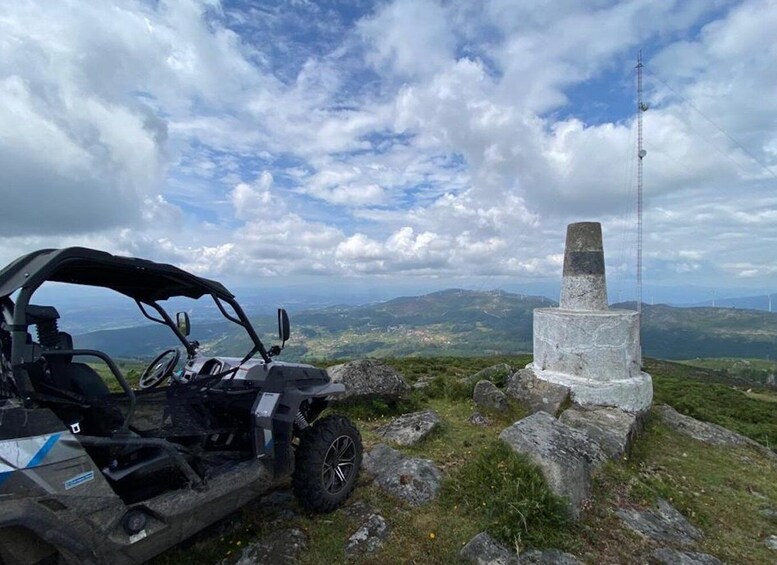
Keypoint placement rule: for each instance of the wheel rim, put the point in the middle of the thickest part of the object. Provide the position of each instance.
(338, 464)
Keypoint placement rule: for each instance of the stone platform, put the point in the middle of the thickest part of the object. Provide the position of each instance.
(596, 353)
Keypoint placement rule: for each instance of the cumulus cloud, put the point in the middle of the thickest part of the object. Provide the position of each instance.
(410, 138)
(254, 200)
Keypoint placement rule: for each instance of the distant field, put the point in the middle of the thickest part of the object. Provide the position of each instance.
(453, 323)
(759, 372)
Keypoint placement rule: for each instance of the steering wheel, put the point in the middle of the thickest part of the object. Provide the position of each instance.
(160, 368)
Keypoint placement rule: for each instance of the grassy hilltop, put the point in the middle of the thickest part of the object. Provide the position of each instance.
(723, 491)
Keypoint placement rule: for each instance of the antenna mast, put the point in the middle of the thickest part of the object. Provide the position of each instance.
(641, 107)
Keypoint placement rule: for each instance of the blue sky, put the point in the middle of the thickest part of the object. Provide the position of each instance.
(405, 144)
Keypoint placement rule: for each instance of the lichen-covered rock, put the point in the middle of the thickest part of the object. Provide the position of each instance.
(369, 537)
(698, 430)
(358, 511)
(536, 394)
(567, 457)
(663, 523)
(668, 556)
(422, 382)
(488, 397)
(485, 550)
(494, 373)
(413, 480)
(478, 419)
(771, 542)
(613, 429)
(409, 429)
(707, 432)
(770, 513)
(548, 557)
(281, 547)
(367, 378)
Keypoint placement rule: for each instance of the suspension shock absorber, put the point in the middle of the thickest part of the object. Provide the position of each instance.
(48, 333)
(300, 421)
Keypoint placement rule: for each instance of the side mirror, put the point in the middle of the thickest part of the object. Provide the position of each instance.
(182, 321)
(284, 330)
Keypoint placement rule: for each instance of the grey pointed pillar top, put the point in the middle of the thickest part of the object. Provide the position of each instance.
(584, 286)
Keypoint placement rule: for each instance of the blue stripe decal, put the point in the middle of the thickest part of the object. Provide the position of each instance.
(37, 458)
(43, 451)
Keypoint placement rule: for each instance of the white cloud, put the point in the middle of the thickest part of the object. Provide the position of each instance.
(411, 37)
(425, 138)
(252, 201)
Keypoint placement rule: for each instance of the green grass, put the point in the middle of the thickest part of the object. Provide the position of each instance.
(131, 370)
(506, 495)
(487, 487)
(721, 490)
(693, 394)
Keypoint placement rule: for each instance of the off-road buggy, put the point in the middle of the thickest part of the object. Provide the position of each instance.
(88, 475)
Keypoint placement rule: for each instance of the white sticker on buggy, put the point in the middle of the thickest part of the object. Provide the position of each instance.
(79, 480)
(267, 404)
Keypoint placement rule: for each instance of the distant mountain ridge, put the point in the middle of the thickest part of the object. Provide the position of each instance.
(761, 302)
(457, 322)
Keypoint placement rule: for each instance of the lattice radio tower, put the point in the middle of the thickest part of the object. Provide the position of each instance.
(641, 108)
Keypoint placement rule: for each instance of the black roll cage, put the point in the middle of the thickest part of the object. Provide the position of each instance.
(23, 352)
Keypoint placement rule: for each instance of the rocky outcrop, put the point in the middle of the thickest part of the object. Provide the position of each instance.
(367, 378)
(283, 546)
(698, 430)
(485, 550)
(358, 511)
(566, 456)
(613, 429)
(664, 523)
(536, 394)
(667, 556)
(707, 432)
(488, 397)
(478, 419)
(368, 538)
(413, 480)
(548, 557)
(494, 373)
(410, 429)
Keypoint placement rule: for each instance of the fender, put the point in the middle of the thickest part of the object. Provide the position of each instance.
(48, 527)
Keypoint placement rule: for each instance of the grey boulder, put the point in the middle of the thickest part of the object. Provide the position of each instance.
(369, 537)
(698, 430)
(567, 457)
(478, 419)
(409, 429)
(367, 378)
(279, 548)
(536, 394)
(707, 432)
(485, 550)
(613, 429)
(497, 372)
(413, 480)
(664, 523)
(488, 397)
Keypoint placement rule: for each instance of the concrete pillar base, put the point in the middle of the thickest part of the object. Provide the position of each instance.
(595, 353)
(632, 394)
